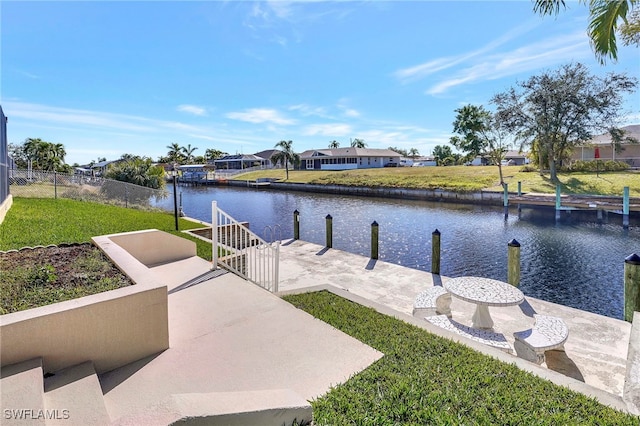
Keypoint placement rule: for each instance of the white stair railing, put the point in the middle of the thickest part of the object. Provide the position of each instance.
(242, 252)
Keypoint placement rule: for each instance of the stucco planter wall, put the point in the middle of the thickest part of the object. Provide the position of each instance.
(111, 329)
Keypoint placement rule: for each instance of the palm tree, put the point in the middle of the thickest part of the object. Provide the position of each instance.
(175, 153)
(44, 155)
(604, 16)
(413, 153)
(188, 153)
(286, 155)
(358, 143)
(212, 154)
(334, 144)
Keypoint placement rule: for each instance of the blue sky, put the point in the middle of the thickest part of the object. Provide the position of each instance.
(108, 78)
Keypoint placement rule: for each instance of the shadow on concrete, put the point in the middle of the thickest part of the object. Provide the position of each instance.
(371, 264)
(113, 378)
(291, 241)
(437, 280)
(527, 309)
(560, 362)
(323, 251)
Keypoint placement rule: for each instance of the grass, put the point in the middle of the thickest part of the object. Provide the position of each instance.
(424, 379)
(462, 179)
(43, 221)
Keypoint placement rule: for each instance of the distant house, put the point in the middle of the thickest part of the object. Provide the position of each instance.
(194, 172)
(241, 161)
(630, 153)
(428, 161)
(516, 158)
(100, 168)
(349, 158)
(511, 158)
(267, 155)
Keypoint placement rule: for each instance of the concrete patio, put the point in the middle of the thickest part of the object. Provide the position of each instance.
(238, 354)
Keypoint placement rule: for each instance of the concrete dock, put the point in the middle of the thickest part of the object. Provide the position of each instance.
(596, 351)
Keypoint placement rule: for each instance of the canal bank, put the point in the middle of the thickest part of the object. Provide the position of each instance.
(594, 205)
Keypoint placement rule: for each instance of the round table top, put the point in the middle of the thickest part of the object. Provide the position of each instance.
(484, 291)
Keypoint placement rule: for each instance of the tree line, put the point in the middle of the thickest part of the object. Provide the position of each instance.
(550, 114)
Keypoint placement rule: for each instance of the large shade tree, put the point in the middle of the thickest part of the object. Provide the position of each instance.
(286, 155)
(560, 109)
(480, 133)
(604, 18)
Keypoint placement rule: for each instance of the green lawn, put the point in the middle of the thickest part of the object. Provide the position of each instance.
(43, 221)
(462, 178)
(424, 379)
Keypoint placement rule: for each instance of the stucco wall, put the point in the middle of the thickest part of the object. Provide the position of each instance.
(111, 329)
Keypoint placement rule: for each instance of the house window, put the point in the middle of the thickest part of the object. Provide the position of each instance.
(309, 164)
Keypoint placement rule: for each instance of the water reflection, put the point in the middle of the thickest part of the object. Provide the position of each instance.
(574, 263)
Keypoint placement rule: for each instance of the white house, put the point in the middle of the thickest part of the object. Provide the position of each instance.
(348, 158)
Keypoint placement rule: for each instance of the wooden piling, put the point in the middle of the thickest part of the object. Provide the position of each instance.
(329, 228)
(374, 240)
(625, 208)
(631, 286)
(435, 252)
(296, 225)
(558, 202)
(513, 263)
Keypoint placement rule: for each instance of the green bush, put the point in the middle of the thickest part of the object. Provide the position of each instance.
(593, 166)
(528, 168)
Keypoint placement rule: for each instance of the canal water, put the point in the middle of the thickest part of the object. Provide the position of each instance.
(573, 262)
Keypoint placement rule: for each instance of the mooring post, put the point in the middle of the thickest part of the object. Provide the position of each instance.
(625, 207)
(631, 286)
(435, 252)
(374, 240)
(296, 225)
(519, 188)
(513, 267)
(558, 204)
(506, 200)
(329, 222)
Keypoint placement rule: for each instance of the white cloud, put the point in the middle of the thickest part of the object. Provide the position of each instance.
(260, 115)
(524, 59)
(332, 130)
(422, 70)
(309, 110)
(192, 109)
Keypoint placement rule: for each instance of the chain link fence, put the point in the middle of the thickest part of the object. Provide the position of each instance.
(36, 184)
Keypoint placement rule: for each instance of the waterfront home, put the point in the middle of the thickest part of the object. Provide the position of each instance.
(349, 158)
(604, 147)
(240, 162)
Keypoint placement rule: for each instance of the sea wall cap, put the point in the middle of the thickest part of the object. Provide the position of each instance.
(633, 259)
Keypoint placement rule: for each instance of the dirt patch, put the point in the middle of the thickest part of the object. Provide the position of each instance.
(45, 275)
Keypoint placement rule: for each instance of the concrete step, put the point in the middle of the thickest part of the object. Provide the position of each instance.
(272, 407)
(22, 393)
(73, 396)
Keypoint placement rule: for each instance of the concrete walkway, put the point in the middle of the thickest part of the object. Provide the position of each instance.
(235, 342)
(233, 345)
(596, 351)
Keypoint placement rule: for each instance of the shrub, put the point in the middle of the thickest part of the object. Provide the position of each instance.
(527, 169)
(592, 166)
